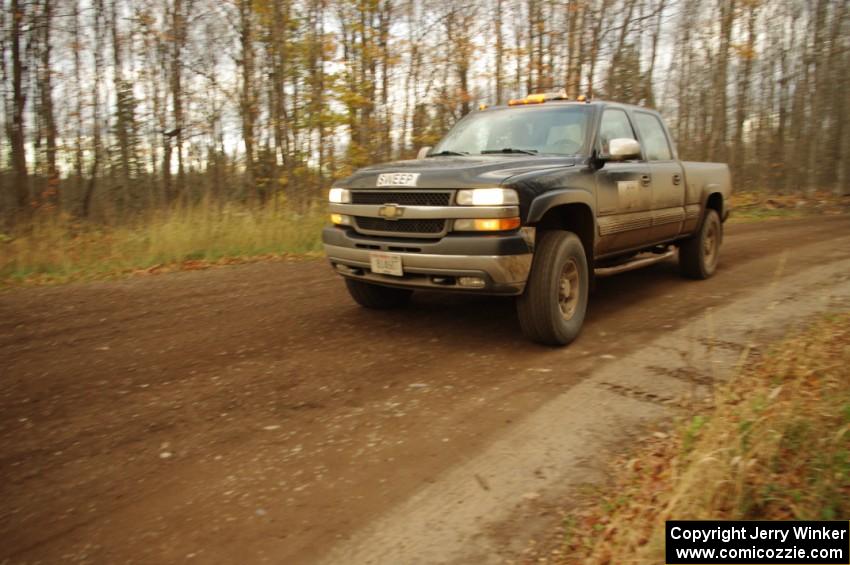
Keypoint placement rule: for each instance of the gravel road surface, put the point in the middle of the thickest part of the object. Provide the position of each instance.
(254, 414)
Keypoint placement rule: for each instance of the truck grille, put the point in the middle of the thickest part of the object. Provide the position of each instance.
(408, 198)
(401, 226)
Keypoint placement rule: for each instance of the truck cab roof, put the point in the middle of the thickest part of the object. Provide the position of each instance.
(564, 102)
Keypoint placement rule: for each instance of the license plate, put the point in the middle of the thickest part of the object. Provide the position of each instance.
(386, 264)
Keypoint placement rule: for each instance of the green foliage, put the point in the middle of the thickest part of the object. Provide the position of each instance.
(692, 431)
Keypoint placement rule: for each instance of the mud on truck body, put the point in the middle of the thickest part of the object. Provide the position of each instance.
(532, 199)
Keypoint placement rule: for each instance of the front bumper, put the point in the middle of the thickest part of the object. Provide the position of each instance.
(502, 261)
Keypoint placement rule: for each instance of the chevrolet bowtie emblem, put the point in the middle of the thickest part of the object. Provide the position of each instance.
(391, 211)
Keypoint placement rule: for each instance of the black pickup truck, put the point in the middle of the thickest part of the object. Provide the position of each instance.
(532, 199)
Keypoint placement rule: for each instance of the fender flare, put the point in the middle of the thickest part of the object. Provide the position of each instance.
(709, 190)
(548, 200)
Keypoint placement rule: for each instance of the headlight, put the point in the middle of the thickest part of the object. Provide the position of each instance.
(487, 197)
(339, 196)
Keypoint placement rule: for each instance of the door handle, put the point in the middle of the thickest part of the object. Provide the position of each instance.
(677, 179)
(645, 180)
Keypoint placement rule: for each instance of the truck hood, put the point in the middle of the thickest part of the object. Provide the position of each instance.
(453, 172)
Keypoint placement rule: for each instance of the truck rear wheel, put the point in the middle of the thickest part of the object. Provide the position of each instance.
(377, 297)
(698, 254)
(552, 308)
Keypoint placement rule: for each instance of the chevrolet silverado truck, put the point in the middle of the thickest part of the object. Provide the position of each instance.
(532, 199)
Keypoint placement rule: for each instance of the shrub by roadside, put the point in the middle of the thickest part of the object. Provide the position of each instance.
(59, 248)
(775, 446)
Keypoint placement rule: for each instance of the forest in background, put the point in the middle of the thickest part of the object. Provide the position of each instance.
(112, 108)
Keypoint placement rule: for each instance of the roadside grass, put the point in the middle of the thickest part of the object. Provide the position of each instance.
(775, 445)
(58, 248)
(760, 206)
(55, 249)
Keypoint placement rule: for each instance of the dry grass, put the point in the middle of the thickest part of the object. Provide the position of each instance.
(776, 445)
(756, 206)
(59, 248)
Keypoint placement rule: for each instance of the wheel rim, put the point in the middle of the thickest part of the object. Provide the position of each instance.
(709, 245)
(568, 289)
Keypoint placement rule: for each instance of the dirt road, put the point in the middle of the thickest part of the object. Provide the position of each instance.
(253, 413)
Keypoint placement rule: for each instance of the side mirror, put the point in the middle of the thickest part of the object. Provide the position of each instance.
(423, 152)
(622, 149)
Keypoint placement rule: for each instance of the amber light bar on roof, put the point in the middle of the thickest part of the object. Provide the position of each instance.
(544, 97)
(539, 98)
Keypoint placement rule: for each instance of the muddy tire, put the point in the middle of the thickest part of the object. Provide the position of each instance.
(698, 255)
(552, 308)
(377, 297)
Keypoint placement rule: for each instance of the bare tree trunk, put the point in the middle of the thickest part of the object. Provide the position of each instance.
(595, 44)
(280, 39)
(463, 56)
(48, 119)
(842, 107)
(249, 109)
(835, 91)
(96, 125)
(739, 159)
(320, 87)
(536, 31)
(649, 94)
(784, 176)
(621, 43)
(574, 18)
(719, 96)
(178, 31)
(78, 109)
(16, 131)
(684, 61)
(500, 51)
(123, 93)
(518, 38)
(366, 85)
(410, 81)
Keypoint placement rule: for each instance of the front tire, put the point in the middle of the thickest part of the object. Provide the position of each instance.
(377, 297)
(698, 255)
(551, 310)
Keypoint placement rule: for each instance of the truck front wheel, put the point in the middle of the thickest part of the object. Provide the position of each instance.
(377, 297)
(698, 254)
(552, 308)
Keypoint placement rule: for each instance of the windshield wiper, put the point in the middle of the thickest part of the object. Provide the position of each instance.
(442, 153)
(510, 150)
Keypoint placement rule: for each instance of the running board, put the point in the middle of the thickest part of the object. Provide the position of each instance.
(633, 264)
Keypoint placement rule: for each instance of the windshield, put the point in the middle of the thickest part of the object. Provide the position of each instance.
(558, 130)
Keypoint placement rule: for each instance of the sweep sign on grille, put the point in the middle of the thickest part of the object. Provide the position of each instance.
(397, 179)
